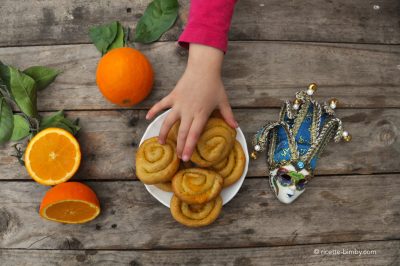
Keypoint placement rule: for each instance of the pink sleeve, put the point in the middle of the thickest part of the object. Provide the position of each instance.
(208, 23)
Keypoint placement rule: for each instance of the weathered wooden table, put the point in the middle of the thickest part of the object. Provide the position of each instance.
(350, 48)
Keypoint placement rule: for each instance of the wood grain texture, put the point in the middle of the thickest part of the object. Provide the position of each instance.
(386, 253)
(109, 140)
(277, 48)
(317, 20)
(333, 209)
(256, 74)
(64, 22)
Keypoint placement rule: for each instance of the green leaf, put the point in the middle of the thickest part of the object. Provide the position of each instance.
(4, 74)
(51, 119)
(21, 128)
(104, 35)
(43, 76)
(3, 88)
(119, 40)
(59, 120)
(6, 120)
(23, 89)
(3, 84)
(73, 125)
(159, 16)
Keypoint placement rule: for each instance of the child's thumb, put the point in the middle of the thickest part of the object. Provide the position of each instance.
(227, 114)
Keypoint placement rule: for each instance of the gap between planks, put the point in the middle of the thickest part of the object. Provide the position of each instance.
(217, 248)
(247, 177)
(299, 41)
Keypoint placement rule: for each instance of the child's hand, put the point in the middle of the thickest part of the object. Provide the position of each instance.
(195, 96)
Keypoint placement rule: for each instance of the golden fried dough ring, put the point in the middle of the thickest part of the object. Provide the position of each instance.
(195, 215)
(167, 186)
(214, 144)
(197, 185)
(231, 168)
(156, 163)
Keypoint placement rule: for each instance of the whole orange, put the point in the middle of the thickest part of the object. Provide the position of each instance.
(124, 76)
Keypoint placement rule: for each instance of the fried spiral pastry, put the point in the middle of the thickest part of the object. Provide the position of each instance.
(167, 186)
(195, 215)
(214, 144)
(156, 163)
(197, 185)
(231, 168)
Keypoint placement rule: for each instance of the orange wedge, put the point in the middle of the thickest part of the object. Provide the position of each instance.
(52, 156)
(71, 203)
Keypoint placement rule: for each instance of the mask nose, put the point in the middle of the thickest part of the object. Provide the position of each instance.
(292, 188)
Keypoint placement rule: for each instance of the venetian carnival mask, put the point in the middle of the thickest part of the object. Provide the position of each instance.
(295, 142)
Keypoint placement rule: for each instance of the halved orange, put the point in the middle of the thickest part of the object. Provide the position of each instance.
(71, 203)
(53, 156)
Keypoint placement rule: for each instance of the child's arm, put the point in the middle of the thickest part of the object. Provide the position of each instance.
(200, 89)
(208, 23)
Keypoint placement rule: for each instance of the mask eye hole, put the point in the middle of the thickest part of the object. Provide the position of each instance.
(281, 171)
(301, 184)
(285, 180)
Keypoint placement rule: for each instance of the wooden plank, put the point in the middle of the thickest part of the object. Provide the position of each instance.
(334, 209)
(321, 20)
(64, 22)
(376, 253)
(109, 141)
(256, 74)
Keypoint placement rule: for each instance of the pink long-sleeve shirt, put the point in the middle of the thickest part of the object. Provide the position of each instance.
(208, 23)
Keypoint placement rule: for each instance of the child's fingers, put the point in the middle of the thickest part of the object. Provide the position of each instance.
(193, 136)
(159, 106)
(227, 114)
(184, 127)
(171, 118)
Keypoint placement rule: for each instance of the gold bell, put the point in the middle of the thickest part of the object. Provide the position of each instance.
(253, 155)
(333, 103)
(346, 136)
(296, 104)
(312, 88)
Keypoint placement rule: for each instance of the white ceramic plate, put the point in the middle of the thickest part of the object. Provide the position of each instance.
(165, 197)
